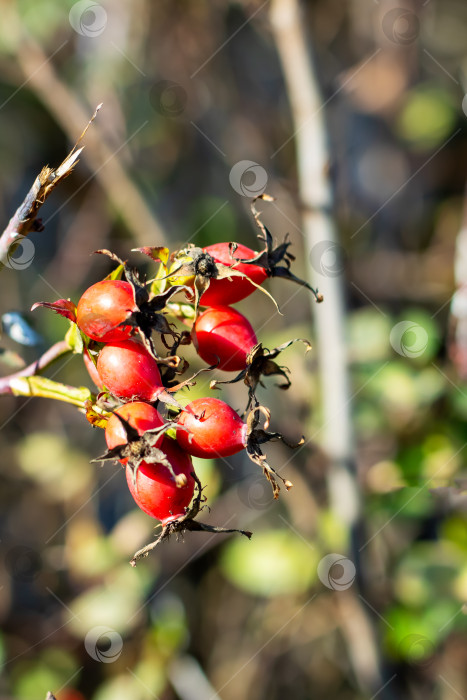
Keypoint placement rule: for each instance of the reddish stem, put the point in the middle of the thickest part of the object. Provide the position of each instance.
(36, 367)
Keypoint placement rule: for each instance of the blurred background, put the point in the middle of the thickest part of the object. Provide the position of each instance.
(325, 601)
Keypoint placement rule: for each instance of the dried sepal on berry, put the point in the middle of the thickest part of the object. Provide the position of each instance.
(147, 317)
(168, 378)
(257, 436)
(186, 523)
(159, 254)
(177, 365)
(275, 260)
(141, 448)
(260, 363)
(209, 428)
(196, 264)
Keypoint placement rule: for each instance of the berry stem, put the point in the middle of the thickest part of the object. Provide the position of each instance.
(48, 389)
(52, 354)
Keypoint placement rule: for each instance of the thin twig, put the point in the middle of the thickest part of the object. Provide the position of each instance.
(50, 356)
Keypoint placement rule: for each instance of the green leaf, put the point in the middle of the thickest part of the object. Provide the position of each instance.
(74, 339)
(160, 281)
(48, 389)
(116, 274)
(171, 433)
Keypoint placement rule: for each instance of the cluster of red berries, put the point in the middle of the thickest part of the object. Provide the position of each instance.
(122, 321)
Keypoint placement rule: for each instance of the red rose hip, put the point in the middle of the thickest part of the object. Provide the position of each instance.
(155, 490)
(103, 307)
(211, 428)
(224, 334)
(225, 291)
(141, 416)
(129, 371)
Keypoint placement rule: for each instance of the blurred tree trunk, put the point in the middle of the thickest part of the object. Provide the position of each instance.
(320, 240)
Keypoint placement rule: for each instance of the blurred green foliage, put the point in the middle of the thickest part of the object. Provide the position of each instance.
(274, 564)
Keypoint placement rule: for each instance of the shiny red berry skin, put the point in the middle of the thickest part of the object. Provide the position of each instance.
(210, 428)
(156, 492)
(142, 416)
(224, 292)
(224, 333)
(129, 371)
(103, 307)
